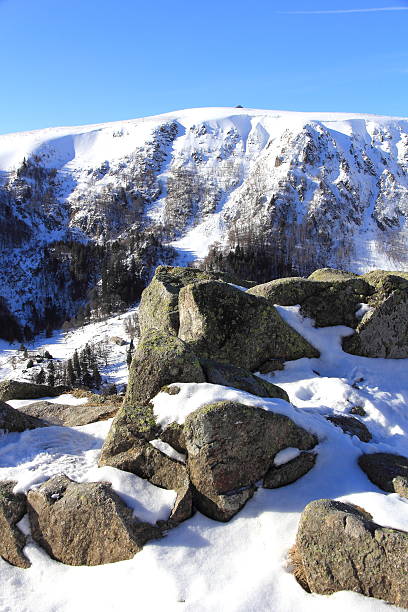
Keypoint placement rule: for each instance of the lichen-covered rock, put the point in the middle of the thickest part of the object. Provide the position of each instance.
(331, 275)
(16, 389)
(12, 541)
(159, 302)
(351, 426)
(341, 549)
(14, 420)
(233, 376)
(383, 332)
(68, 415)
(336, 302)
(160, 359)
(384, 468)
(282, 475)
(131, 423)
(286, 291)
(328, 296)
(127, 448)
(230, 446)
(85, 523)
(220, 322)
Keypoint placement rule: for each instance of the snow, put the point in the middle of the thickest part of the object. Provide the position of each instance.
(363, 309)
(203, 565)
(62, 345)
(286, 455)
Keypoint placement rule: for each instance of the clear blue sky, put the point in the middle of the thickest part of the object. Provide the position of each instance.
(86, 61)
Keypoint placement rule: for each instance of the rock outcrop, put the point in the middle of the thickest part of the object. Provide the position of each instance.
(16, 389)
(127, 448)
(12, 541)
(340, 548)
(230, 447)
(85, 523)
(220, 322)
(330, 298)
(389, 472)
(14, 420)
(51, 413)
(160, 359)
(383, 332)
(351, 426)
(159, 303)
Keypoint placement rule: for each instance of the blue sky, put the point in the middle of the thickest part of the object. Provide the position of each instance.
(87, 61)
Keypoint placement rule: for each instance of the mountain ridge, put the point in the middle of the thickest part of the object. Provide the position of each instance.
(317, 189)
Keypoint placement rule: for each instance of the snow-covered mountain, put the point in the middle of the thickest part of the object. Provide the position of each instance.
(330, 189)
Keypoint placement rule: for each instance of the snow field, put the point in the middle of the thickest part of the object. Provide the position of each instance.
(203, 565)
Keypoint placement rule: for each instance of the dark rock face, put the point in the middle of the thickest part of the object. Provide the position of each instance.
(14, 420)
(351, 426)
(68, 415)
(233, 376)
(160, 359)
(383, 332)
(222, 323)
(159, 303)
(15, 389)
(12, 541)
(230, 447)
(173, 434)
(85, 523)
(341, 549)
(282, 475)
(389, 472)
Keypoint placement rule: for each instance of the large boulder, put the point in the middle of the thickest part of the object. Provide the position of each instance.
(160, 359)
(230, 446)
(286, 291)
(14, 420)
(232, 376)
(16, 389)
(331, 275)
(331, 300)
(159, 303)
(389, 472)
(85, 523)
(383, 332)
(12, 541)
(337, 302)
(223, 323)
(339, 548)
(51, 413)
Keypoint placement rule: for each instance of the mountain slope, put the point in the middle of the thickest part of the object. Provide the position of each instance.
(327, 189)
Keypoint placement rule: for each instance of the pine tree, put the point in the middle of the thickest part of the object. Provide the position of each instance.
(76, 365)
(87, 379)
(40, 378)
(70, 376)
(51, 374)
(97, 379)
